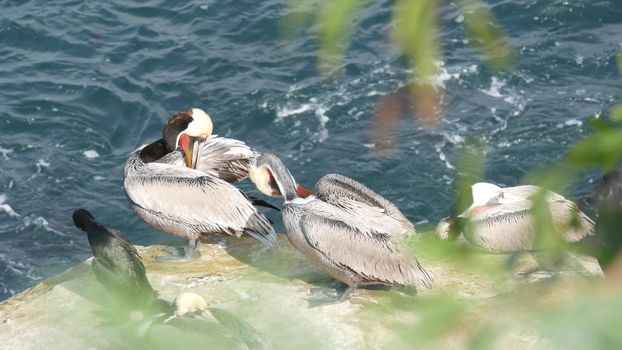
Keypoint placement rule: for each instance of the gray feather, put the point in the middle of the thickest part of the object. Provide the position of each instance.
(224, 158)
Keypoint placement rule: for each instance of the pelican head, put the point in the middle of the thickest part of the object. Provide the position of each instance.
(262, 176)
(484, 195)
(272, 178)
(187, 130)
(189, 303)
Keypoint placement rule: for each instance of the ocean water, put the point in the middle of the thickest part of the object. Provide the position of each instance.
(82, 84)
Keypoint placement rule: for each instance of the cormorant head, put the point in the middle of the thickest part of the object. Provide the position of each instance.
(187, 130)
(82, 218)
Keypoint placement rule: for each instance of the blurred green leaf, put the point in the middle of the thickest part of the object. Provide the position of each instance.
(415, 31)
(470, 170)
(336, 21)
(546, 235)
(489, 39)
(616, 113)
(484, 338)
(300, 13)
(600, 124)
(603, 148)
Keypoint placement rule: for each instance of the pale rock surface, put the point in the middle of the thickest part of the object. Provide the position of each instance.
(269, 289)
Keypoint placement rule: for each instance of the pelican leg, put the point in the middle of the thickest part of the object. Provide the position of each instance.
(191, 252)
(192, 249)
(330, 296)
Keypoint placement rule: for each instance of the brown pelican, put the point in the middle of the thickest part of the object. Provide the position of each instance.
(117, 266)
(500, 218)
(188, 202)
(354, 234)
(225, 158)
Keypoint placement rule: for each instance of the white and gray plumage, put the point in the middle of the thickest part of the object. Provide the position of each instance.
(190, 204)
(501, 219)
(346, 233)
(340, 190)
(224, 158)
(197, 199)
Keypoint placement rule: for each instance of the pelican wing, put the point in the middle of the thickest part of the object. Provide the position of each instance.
(370, 252)
(191, 197)
(334, 188)
(527, 191)
(572, 223)
(225, 158)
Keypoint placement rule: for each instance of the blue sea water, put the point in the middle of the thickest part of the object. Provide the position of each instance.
(83, 83)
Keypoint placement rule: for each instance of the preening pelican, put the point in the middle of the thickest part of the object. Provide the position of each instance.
(501, 220)
(197, 199)
(353, 233)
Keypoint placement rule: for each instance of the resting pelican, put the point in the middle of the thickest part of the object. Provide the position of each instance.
(118, 267)
(501, 218)
(195, 200)
(354, 234)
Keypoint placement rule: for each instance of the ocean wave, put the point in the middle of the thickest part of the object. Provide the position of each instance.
(5, 207)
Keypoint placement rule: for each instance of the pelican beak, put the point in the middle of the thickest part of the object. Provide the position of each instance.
(303, 191)
(190, 147)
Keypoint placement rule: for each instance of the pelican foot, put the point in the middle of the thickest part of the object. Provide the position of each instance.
(172, 250)
(328, 296)
(171, 258)
(188, 254)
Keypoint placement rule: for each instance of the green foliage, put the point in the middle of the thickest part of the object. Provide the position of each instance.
(584, 321)
(487, 38)
(601, 149)
(415, 31)
(334, 32)
(334, 21)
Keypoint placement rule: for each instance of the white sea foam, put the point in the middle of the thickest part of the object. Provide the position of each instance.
(91, 154)
(314, 105)
(571, 122)
(41, 163)
(6, 208)
(5, 152)
(41, 222)
(444, 74)
(283, 112)
(495, 87)
(441, 155)
(19, 268)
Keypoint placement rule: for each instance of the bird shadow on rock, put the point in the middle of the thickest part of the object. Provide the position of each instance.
(281, 260)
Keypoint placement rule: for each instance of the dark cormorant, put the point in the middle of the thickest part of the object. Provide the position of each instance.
(117, 265)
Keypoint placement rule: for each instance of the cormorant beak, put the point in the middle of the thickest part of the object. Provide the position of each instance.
(190, 145)
(303, 191)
